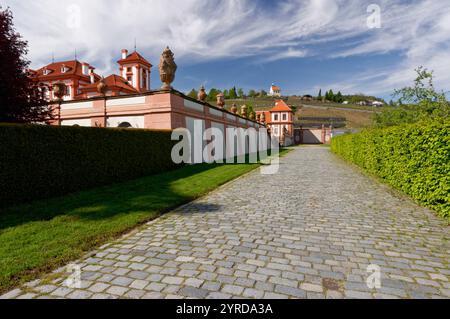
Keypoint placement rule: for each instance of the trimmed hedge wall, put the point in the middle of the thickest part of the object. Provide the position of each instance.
(413, 158)
(38, 162)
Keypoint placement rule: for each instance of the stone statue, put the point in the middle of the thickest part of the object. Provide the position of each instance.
(234, 108)
(202, 94)
(167, 69)
(263, 118)
(220, 100)
(244, 110)
(102, 88)
(252, 116)
(59, 90)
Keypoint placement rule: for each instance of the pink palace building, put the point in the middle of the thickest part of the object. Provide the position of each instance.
(128, 100)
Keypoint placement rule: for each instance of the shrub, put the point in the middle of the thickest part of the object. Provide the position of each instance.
(38, 162)
(414, 158)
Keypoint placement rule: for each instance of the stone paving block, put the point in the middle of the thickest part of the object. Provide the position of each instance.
(193, 282)
(116, 290)
(139, 284)
(98, 287)
(253, 293)
(290, 291)
(122, 281)
(232, 289)
(79, 294)
(193, 292)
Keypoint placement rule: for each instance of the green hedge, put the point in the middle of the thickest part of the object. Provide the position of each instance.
(38, 162)
(413, 158)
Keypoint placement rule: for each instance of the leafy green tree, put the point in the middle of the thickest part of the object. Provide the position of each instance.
(226, 94)
(331, 96)
(233, 94)
(241, 93)
(250, 109)
(252, 93)
(420, 102)
(319, 97)
(22, 100)
(263, 93)
(339, 98)
(212, 95)
(193, 94)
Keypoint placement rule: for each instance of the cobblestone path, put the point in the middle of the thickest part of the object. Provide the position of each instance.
(310, 231)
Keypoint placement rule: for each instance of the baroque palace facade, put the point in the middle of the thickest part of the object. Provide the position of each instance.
(81, 97)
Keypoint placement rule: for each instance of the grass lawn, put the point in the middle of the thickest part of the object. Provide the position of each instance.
(44, 235)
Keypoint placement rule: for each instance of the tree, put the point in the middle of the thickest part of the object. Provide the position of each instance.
(241, 93)
(339, 98)
(226, 94)
(193, 94)
(331, 97)
(319, 97)
(21, 99)
(420, 102)
(250, 110)
(252, 93)
(212, 95)
(232, 94)
(263, 93)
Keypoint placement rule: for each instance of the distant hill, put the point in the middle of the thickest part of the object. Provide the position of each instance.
(355, 116)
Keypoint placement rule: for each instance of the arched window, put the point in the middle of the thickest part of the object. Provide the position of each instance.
(125, 125)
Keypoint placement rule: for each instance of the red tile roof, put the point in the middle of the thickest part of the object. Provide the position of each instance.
(74, 68)
(276, 88)
(114, 82)
(135, 57)
(281, 106)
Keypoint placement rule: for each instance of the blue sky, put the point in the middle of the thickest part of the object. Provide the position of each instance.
(301, 45)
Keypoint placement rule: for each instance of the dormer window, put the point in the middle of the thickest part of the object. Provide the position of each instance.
(129, 69)
(46, 71)
(64, 69)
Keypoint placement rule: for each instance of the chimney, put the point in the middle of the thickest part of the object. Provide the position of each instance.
(91, 74)
(85, 68)
(124, 53)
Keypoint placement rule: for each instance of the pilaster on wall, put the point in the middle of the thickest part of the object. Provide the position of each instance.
(159, 121)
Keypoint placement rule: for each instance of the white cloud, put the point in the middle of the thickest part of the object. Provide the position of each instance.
(286, 54)
(200, 30)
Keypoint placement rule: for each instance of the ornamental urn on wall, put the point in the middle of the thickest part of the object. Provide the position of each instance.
(234, 108)
(220, 100)
(59, 90)
(202, 94)
(263, 118)
(167, 69)
(102, 88)
(244, 110)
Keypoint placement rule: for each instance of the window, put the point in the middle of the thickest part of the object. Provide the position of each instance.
(130, 79)
(129, 69)
(125, 125)
(144, 78)
(284, 117)
(276, 118)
